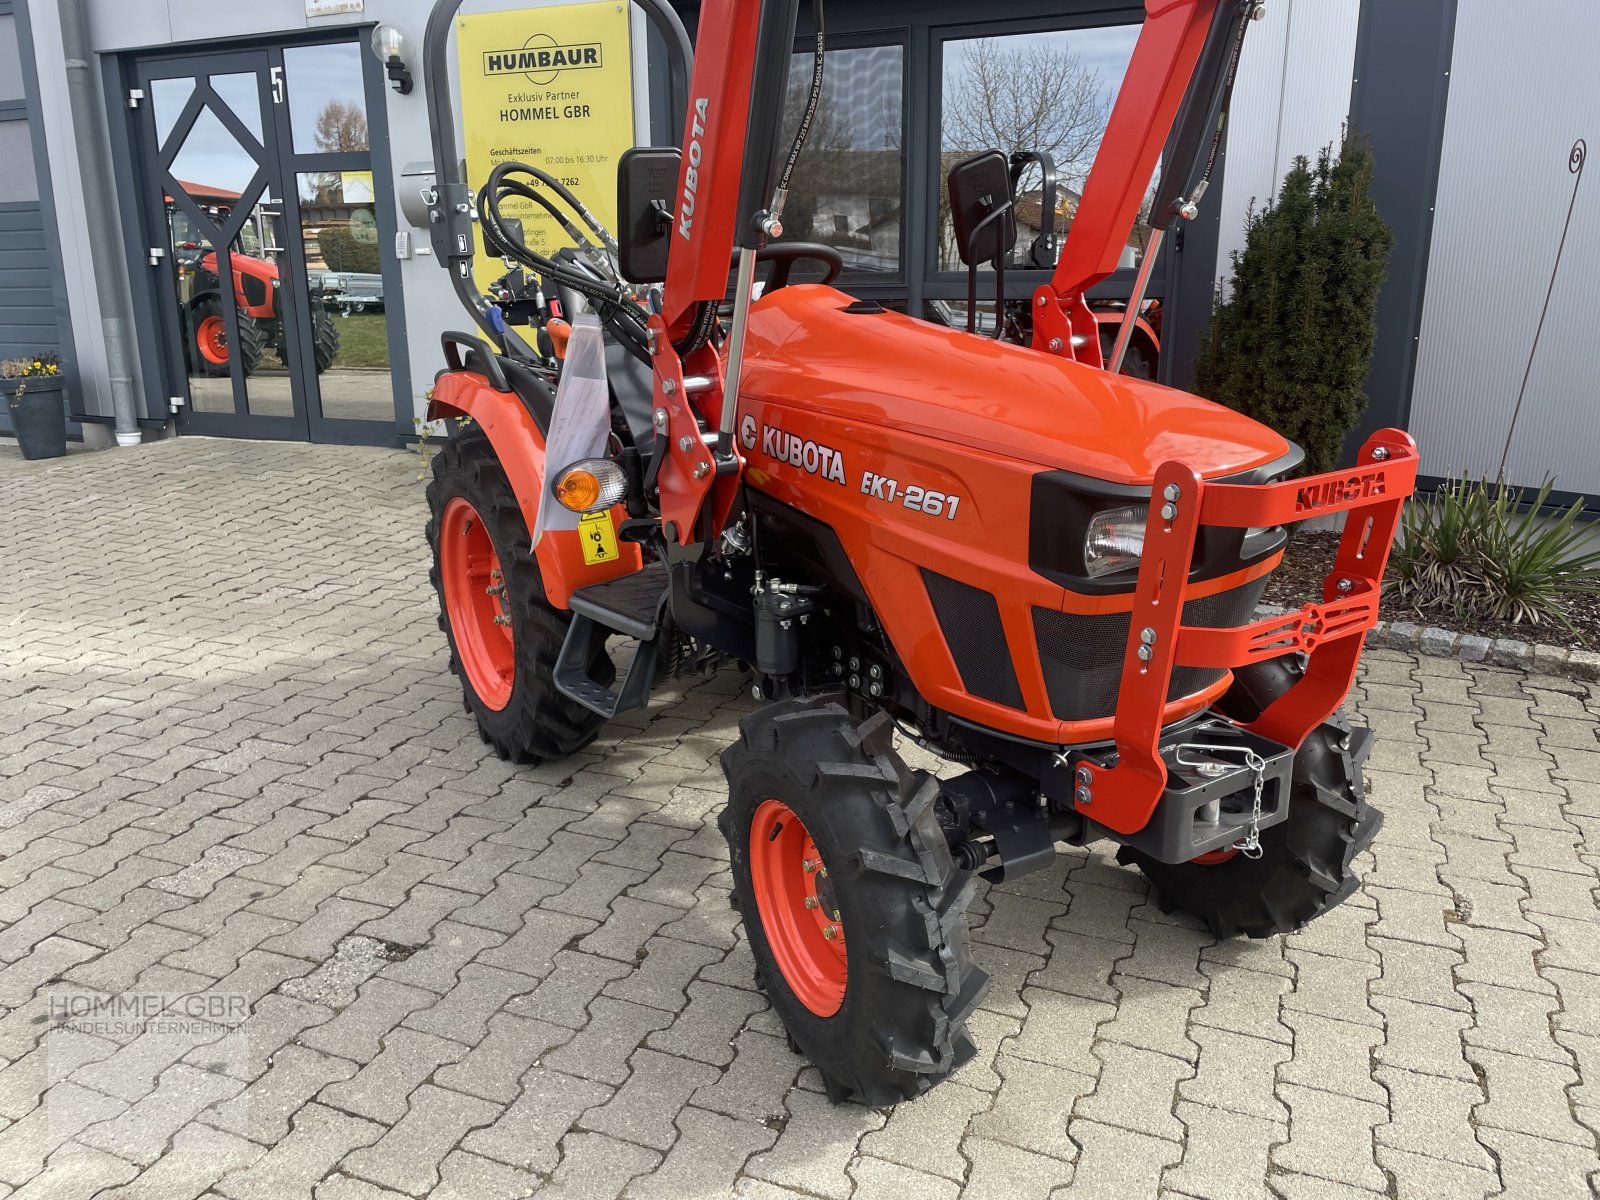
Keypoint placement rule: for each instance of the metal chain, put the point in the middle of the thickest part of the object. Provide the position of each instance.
(1250, 844)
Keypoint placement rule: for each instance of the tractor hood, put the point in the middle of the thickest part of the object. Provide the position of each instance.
(808, 350)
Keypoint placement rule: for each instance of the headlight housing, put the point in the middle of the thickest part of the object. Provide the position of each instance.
(1116, 540)
(590, 486)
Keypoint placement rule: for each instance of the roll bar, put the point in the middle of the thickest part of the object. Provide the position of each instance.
(450, 208)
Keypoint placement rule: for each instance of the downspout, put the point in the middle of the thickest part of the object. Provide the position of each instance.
(88, 120)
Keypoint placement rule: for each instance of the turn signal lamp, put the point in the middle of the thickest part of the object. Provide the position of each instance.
(590, 486)
(1116, 540)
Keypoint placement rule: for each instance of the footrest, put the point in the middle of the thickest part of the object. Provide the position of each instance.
(630, 606)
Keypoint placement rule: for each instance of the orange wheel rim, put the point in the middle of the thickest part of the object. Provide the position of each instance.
(798, 908)
(476, 599)
(212, 337)
(1212, 857)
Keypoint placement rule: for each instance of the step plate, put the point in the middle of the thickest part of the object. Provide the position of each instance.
(629, 605)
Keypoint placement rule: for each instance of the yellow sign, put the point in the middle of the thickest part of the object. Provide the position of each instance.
(551, 87)
(598, 535)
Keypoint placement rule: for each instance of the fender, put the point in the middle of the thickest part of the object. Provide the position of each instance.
(519, 445)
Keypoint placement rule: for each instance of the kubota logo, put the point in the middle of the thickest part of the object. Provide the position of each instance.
(747, 432)
(1338, 491)
(543, 58)
(691, 174)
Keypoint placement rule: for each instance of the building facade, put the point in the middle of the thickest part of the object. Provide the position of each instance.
(214, 231)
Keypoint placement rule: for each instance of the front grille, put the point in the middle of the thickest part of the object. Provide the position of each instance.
(1082, 655)
(969, 618)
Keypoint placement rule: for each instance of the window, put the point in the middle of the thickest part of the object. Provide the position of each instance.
(327, 101)
(848, 185)
(1050, 92)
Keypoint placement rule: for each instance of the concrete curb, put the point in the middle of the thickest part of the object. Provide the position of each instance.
(1500, 652)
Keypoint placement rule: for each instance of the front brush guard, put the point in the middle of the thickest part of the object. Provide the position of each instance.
(1121, 791)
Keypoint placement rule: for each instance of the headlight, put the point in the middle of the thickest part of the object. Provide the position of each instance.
(591, 486)
(1116, 540)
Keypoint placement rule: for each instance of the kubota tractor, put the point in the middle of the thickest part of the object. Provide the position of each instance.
(1041, 570)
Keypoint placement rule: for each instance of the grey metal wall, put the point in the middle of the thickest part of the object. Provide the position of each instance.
(1520, 92)
(1291, 98)
(32, 299)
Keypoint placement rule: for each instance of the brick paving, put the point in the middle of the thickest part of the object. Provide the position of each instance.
(237, 785)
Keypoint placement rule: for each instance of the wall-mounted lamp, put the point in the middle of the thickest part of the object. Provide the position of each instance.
(392, 48)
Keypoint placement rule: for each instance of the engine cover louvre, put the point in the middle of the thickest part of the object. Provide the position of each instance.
(969, 618)
(1082, 655)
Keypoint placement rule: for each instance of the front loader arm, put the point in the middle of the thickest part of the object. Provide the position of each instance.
(1182, 63)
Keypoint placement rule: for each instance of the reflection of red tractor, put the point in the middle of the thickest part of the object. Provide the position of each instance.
(256, 282)
(256, 285)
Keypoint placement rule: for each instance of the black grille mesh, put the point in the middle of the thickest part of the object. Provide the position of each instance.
(969, 617)
(1082, 655)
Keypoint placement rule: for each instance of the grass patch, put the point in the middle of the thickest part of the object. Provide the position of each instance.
(363, 340)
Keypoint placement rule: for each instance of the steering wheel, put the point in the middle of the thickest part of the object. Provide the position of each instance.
(784, 255)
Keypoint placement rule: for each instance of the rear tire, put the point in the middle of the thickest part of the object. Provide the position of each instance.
(327, 340)
(210, 350)
(890, 1021)
(1305, 866)
(508, 684)
(1136, 363)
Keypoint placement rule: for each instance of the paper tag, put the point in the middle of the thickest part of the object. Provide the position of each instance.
(580, 422)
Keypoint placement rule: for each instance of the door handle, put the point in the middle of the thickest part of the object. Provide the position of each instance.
(156, 255)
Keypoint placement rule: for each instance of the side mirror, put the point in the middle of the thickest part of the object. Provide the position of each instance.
(981, 210)
(647, 188)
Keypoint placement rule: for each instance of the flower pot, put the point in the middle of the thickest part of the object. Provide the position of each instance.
(38, 415)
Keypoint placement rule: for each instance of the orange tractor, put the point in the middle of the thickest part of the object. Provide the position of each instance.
(1037, 568)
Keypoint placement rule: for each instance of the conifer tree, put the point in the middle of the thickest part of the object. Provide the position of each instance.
(1291, 338)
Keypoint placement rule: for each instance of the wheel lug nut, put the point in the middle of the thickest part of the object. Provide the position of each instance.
(830, 932)
(811, 901)
(808, 865)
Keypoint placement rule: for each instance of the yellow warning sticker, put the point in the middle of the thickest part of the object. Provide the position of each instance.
(598, 535)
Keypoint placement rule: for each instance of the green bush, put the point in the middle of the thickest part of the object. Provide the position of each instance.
(1291, 342)
(1475, 549)
(343, 253)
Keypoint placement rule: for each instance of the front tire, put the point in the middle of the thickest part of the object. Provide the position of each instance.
(504, 634)
(828, 829)
(1305, 866)
(327, 340)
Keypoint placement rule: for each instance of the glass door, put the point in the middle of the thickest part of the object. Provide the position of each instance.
(267, 242)
(215, 207)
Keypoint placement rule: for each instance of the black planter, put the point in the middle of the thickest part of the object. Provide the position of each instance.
(38, 415)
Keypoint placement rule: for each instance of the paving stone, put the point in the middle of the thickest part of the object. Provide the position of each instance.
(1079, 965)
(1002, 1172)
(816, 1146)
(754, 1085)
(566, 993)
(1059, 1029)
(1420, 1037)
(1031, 1110)
(141, 1134)
(65, 1111)
(662, 979)
(528, 1134)
(1236, 1073)
(198, 1158)
(1224, 1153)
(643, 1108)
(264, 1110)
(601, 1050)
(320, 1139)
(246, 1052)
(1536, 1166)
(381, 1090)
(880, 1180)
(1115, 1163)
(494, 1067)
(1528, 1096)
(1136, 1091)
(76, 1172)
(595, 1167)
(407, 1157)
(466, 1176)
(1244, 1002)
(59, 1053)
(356, 1033)
(1330, 1137)
(1333, 1055)
(705, 1030)
(1416, 972)
(335, 983)
(1335, 988)
(706, 1158)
